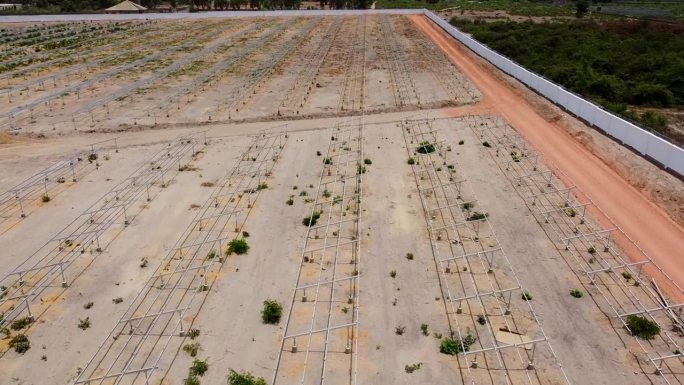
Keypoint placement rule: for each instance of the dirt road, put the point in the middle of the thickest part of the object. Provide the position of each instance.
(660, 237)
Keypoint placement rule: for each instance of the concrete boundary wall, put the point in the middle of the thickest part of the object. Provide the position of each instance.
(664, 153)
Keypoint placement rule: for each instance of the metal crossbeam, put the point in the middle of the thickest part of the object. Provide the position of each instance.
(474, 254)
(321, 330)
(485, 294)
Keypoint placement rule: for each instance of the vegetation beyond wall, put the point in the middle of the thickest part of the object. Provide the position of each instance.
(631, 68)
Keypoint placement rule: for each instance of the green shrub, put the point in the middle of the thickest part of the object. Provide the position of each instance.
(526, 296)
(244, 378)
(327, 161)
(475, 216)
(393, 273)
(411, 161)
(486, 144)
(198, 368)
(191, 349)
(454, 346)
(409, 256)
(481, 319)
(84, 324)
(191, 380)
(20, 323)
(642, 327)
(311, 220)
(424, 328)
(367, 161)
(576, 293)
(272, 312)
(20, 343)
(412, 368)
(238, 246)
(425, 147)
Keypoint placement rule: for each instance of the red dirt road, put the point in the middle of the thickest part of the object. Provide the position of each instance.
(658, 235)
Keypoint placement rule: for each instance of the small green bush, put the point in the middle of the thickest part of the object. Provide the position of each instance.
(192, 349)
(481, 319)
(244, 378)
(424, 328)
(272, 312)
(642, 327)
(411, 161)
(577, 293)
(238, 246)
(367, 161)
(526, 296)
(20, 343)
(20, 323)
(453, 346)
(311, 220)
(412, 368)
(486, 144)
(409, 256)
(327, 161)
(393, 273)
(400, 330)
(475, 216)
(84, 324)
(198, 368)
(425, 147)
(191, 380)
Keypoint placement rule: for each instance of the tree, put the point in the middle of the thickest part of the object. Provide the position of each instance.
(582, 7)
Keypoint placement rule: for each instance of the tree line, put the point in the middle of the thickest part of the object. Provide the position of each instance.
(617, 64)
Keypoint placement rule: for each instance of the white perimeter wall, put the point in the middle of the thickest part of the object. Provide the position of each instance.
(635, 137)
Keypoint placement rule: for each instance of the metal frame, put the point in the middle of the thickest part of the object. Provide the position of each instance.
(475, 277)
(69, 253)
(591, 239)
(329, 269)
(162, 314)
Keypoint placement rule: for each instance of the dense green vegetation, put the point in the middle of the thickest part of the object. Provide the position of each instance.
(617, 64)
(521, 7)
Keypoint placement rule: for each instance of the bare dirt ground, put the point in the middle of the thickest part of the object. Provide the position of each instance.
(586, 169)
(317, 115)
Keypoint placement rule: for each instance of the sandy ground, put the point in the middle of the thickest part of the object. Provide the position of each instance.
(590, 345)
(661, 239)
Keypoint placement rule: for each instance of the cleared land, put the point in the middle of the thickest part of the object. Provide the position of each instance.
(401, 248)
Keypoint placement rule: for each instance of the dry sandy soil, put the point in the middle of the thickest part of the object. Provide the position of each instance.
(296, 107)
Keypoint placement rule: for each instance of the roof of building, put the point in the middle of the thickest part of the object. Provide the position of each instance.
(126, 5)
